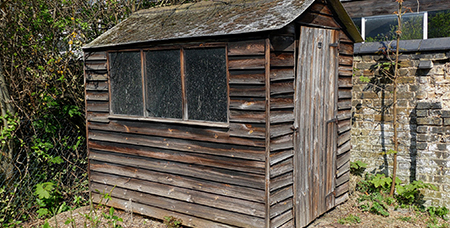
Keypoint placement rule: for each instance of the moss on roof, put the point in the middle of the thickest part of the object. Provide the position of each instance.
(201, 19)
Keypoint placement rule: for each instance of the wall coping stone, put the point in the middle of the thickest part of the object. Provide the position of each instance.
(435, 44)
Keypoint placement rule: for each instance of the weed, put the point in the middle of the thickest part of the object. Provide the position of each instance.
(350, 219)
(172, 222)
(357, 168)
(405, 219)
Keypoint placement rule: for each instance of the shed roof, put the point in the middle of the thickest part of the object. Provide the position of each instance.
(208, 18)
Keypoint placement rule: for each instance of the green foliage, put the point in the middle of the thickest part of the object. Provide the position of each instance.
(172, 222)
(441, 212)
(357, 168)
(49, 199)
(439, 24)
(112, 219)
(375, 194)
(350, 219)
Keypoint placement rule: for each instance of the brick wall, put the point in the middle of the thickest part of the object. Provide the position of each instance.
(423, 114)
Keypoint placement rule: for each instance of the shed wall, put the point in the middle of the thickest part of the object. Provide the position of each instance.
(207, 176)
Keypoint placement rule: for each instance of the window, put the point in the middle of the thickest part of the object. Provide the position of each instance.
(126, 83)
(184, 84)
(422, 25)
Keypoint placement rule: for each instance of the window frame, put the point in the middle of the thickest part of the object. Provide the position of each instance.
(184, 119)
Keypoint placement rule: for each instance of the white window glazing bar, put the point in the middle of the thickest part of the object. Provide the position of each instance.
(425, 25)
(363, 28)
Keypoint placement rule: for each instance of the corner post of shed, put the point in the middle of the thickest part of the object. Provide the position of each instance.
(267, 138)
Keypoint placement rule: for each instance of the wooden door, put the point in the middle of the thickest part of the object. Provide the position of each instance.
(315, 123)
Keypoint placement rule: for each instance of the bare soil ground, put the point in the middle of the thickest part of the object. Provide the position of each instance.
(401, 218)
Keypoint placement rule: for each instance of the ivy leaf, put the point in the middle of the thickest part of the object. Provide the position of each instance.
(43, 190)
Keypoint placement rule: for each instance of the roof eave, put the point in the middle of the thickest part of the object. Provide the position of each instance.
(346, 21)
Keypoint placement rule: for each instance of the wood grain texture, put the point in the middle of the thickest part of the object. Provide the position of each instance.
(187, 182)
(160, 213)
(210, 213)
(208, 173)
(182, 194)
(181, 156)
(245, 152)
(248, 47)
(281, 219)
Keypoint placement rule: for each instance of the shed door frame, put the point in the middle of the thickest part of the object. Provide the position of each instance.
(315, 123)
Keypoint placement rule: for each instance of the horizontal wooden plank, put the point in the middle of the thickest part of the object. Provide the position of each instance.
(199, 133)
(346, 60)
(343, 138)
(344, 148)
(281, 117)
(204, 212)
(248, 104)
(281, 181)
(342, 171)
(97, 117)
(95, 66)
(282, 168)
(95, 56)
(247, 77)
(289, 224)
(177, 168)
(282, 59)
(235, 164)
(345, 82)
(342, 159)
(94, 76)
(282, 219)
(193, 183)
(97, 106)
(346, 48)
(247, 130)
(342, 189)
(344, 115)
(177, 193)
(343, 37)
(256, 91)
(321, 8)
(282, 43)
(280, 208)
(281, 195)
(238, 116)
(282, 74)
(97, 96)
(344, 104)
(318, 19)
(279, 156)
(344, 125)
(345, 93)
(248, 47)
(277, 130)
(282, 103)
(227, 150)
(282, 87)
(345, 71)
(281, 143)
(341, 199)
(239, 63)
(159, 213)
(97, 86)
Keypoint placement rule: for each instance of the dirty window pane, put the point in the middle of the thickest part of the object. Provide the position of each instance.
(206, 84)
(164, 84)
(383, 28)
(439, 24)
(126, 83)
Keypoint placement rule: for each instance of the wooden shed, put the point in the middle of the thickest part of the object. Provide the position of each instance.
(223, 113)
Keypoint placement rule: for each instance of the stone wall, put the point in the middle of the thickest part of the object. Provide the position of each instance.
(423, 113)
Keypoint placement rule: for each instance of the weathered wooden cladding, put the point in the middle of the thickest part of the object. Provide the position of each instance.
(282, 78)
(185, 206)
(239, 173)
